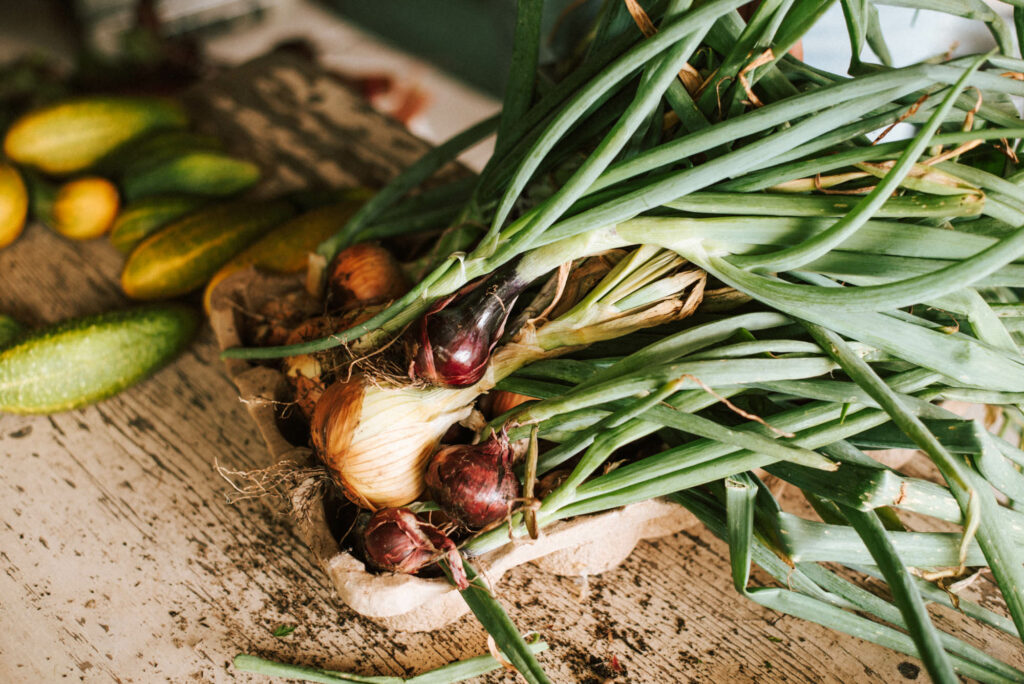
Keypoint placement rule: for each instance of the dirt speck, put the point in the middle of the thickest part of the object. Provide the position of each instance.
(908, 670)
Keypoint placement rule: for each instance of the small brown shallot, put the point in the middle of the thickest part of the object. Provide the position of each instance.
(365, 274)
(502, 401)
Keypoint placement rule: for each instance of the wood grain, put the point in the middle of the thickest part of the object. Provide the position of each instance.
(124, 558)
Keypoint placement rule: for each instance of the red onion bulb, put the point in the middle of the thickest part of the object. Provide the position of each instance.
(457, 337)
(396, 540)
(475, 484)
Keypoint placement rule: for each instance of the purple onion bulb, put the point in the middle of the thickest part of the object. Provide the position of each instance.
(456, 340)
(397, 541)
(474, 485)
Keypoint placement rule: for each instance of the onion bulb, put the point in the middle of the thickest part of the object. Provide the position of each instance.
(456, 338)
(396, 540)
(474, 484)
(365, 274)
(376, 440)
(502, 401)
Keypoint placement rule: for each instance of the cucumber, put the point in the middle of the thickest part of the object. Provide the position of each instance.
(81, 361)
(286, 248)
(73, 135)
(195, 172)
(10, 330)
(144, 217)
(13, 204)
(184, 255)
(152, 147)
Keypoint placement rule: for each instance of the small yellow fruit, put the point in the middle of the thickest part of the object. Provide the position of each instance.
(13, 204)
(85, 208)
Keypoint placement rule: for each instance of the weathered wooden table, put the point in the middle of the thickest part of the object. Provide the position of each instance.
(125, 559)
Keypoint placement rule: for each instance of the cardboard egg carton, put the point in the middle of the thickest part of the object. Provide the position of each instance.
(583, 546)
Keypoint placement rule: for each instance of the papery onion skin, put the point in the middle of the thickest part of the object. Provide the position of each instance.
(365, 274)
(335, 414)
(502, 401)
(376, 441)
(456, 338)
(474, 484)
(397, 541)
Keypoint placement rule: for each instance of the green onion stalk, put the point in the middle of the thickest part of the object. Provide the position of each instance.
(880, 277)
(447, 674)
(611, 203)
(808, 437)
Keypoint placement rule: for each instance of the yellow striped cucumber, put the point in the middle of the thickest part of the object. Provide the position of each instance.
(185, 254)
(72, 135)
(13, 204)
(286, 248)
(144, 217)
(81, 361)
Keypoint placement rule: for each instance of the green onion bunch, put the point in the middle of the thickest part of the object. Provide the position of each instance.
(871, 279)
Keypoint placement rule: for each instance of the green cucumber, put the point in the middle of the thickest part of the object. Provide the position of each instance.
(81, 361)
(194, 172)
(143, 217)
(153, 148)
(10, 330)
